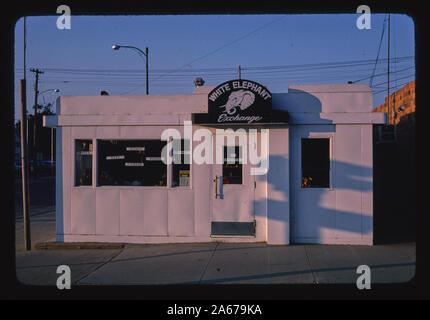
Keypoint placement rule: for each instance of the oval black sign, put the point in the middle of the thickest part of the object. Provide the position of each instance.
(239, 101)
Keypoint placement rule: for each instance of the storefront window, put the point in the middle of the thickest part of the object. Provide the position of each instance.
(181, 163)
(131, 163)
(83, 162)
(232, 166)
(316, 163)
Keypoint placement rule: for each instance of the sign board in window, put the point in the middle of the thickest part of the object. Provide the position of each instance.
(84, 153)
(184, 178)
(135, 149)
(181, 163)
(115, 157)
(134, 164)
(131, 163)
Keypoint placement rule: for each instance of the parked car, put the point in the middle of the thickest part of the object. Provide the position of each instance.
(18, 167)
(47, 163)
(46, 168)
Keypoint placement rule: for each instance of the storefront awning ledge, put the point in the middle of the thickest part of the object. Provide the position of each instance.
(50, 121)
(116, 120)
(277, 117)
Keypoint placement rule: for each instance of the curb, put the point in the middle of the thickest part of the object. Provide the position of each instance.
(77, 245)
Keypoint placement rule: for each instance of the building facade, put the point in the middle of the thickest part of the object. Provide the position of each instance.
(231, 163)
(401, 104)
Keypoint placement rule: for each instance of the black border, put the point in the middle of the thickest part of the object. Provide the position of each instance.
(203, 294)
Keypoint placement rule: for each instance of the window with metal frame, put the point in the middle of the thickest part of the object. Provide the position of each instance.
(232, 165)
(315, 163)
(131, 163)
(83, 162)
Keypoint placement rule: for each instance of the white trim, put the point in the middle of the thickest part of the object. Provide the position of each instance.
(337, 118)
(156, 239)
(50, 121)
(368, 241)
(94, 163)
(118, 120)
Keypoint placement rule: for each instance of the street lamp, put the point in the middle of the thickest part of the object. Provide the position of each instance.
(55, 90)
(117, 47)
(35, 111)
(44, 91)
(52, 131)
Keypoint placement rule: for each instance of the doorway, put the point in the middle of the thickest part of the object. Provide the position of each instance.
(233, 189)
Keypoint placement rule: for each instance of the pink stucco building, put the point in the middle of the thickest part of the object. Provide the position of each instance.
(115, 184)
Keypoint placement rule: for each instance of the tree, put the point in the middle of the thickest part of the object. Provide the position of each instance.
(43, 135)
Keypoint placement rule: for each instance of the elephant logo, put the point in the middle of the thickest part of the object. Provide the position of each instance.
(241, 98)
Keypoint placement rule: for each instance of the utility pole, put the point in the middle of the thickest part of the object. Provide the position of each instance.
(388, 73)
(239, 72)
(24, 159)
(147, 57)
(24, 169)
(36, 93)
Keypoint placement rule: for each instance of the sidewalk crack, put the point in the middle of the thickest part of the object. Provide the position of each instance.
(310, 267)
(209, 261)
(99, 266)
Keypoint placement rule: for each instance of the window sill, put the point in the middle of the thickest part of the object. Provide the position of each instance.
(133, 187)
(318, 189)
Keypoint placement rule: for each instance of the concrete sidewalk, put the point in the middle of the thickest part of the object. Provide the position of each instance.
(208, 263)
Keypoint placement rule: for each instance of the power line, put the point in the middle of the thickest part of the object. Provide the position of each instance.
(379, 48)
(393, 87)
(382, 83)
(340, 74)
(218, 49)
(339, 71)
(252, 68)
(383, 74)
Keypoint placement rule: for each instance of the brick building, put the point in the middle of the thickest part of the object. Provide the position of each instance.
(395, 169)
(402, 104)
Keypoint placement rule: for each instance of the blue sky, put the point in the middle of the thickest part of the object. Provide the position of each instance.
(271, 49)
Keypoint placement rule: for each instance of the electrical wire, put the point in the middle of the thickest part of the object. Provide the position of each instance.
(379, 48)
(339, 71)
(216, 50)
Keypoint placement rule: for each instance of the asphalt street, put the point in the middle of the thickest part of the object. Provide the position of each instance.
(42, 195)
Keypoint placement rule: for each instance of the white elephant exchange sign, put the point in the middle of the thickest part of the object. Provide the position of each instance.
(240, 101)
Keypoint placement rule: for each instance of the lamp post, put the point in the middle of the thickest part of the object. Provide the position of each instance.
(52, 132)
(117, 47)
(35, 106)
(55, 90)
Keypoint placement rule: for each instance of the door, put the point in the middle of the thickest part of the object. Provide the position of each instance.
(232, 196)
(312, 194)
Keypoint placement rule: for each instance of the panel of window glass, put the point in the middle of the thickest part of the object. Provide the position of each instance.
(131, 163)
(315, 163)
(181, 163)
(83, 162)
(232, 166)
